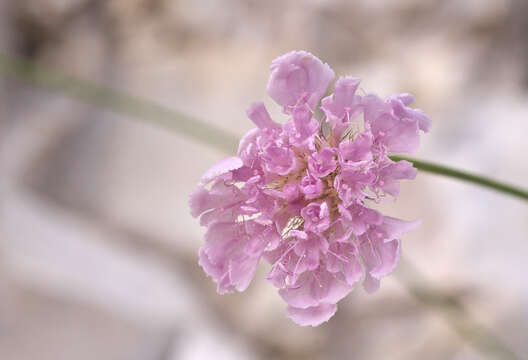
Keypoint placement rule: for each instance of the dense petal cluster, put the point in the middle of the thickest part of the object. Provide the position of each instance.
(297, 194)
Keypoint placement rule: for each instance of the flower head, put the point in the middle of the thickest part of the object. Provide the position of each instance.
(298, 196)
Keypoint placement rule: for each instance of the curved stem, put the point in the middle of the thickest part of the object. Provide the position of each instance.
(465, 176)
(117, 101)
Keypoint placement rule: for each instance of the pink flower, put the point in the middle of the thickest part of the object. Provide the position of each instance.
(302, 126)
(393, 124)
(296, 196)
(351, 184)
(322, 163)
(357, 151)
(311, 186)
(342, 107)
(359, 218)
(279, 159)
(316, 217)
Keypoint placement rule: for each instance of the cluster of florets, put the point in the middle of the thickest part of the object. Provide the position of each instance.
(297, 194)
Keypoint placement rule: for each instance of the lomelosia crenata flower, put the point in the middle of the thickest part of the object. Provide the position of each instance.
(297, 195)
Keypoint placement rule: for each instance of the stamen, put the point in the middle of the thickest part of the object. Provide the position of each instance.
(293, 224)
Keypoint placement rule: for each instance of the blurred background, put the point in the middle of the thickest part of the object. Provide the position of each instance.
(98, 253)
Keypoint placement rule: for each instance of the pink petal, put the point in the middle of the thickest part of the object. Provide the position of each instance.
(380, 259)
(296, 75)
(227, 256)
(341, 109)
(357, 151)
(259, 115)
(311, 186)
(329, 289)
(322, 163)
(389, 254)
(279, 159)
(394, 228)
(220, 168)
(302, 126)
(370, 284)
(300, 297)
(220, 196)
(313, 316)
(198, 201)
(389, 176)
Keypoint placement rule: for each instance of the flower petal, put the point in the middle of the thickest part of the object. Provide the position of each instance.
(298, 75)
(259, 115)
(222, 167)
(313, 316)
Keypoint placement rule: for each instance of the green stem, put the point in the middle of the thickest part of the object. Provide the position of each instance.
(117, 101)
(465, 176)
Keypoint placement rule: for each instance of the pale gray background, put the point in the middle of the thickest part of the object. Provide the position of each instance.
(98, 253)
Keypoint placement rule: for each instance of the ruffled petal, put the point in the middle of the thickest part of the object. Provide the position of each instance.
(341, 109)
(231, 254)
(315, 287)
(389, 176)
(311, 186)
(380, 258)
(394, 228)
(300, 295)
(279, 159)
(323, 162)
(357, 151)
(222, 167)
(302, 127)
(313, 316)
(359, 218)
(221, 195)
(298, 75)
(393, 124)
(259, 115)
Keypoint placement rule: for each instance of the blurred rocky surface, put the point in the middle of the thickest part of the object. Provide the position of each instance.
(98, 251)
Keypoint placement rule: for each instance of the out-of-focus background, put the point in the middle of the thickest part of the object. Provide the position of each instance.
(98, 253)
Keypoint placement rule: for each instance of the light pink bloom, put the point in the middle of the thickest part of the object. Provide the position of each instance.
(312, 187)
(296, 196)
(316, 217)
(357, 151)
(393, 124)
(302, 126)
(279, 159)
(351, 183)
(342, 107)
(322, 163)
(359, 218)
